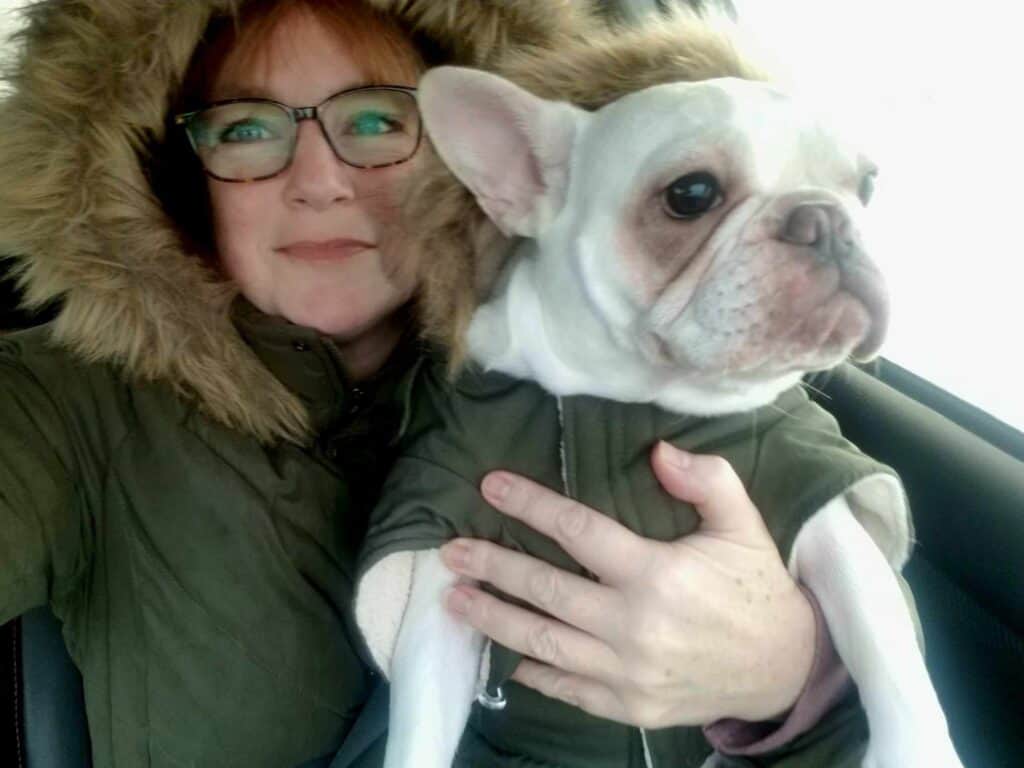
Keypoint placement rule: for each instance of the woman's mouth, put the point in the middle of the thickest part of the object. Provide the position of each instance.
(324, 250)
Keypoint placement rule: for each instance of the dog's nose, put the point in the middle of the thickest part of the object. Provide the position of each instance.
(822, 226)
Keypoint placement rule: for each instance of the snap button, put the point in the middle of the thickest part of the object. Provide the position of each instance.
(300, 346)
(357, 395)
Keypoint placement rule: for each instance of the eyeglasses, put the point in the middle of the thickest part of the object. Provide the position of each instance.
(253, 139)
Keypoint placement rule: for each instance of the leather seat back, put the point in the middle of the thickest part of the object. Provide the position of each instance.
(55, 733)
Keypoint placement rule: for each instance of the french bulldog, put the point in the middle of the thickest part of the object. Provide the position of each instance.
(697, 246)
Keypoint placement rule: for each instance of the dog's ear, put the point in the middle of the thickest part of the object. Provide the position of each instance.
(509, 147)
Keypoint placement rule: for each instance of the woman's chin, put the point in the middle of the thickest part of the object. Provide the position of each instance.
(344, 320)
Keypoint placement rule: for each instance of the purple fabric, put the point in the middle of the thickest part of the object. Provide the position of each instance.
(827, 683)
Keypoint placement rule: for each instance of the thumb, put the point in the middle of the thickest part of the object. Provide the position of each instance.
(712, 486)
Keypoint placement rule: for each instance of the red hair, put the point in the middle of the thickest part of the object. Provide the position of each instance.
(383, 50)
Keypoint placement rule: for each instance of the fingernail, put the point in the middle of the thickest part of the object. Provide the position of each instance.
(458, 601)
(496, 487)
(455, 554)
(677, 457)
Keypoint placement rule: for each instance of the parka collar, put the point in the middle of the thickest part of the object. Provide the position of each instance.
(308, 364)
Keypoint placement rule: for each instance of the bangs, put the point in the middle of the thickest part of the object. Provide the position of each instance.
(235, 44)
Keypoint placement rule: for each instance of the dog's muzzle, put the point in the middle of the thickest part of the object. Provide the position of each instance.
(826, 228)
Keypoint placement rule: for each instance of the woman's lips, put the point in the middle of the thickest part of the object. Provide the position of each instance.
(325, 250)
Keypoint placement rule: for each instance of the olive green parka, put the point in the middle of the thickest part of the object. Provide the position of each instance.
(182, 479)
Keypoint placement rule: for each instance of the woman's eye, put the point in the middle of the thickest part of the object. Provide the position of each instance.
(372, 124)
(692, 195)
(245, 131)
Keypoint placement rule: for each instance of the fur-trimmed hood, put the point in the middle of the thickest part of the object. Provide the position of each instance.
(89, 93)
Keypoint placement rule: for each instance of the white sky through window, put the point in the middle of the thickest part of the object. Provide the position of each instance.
(935, 90)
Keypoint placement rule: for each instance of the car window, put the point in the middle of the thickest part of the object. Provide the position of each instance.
(9, 17)
(933, 90)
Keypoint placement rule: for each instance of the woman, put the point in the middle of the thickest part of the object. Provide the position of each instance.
(190, 450)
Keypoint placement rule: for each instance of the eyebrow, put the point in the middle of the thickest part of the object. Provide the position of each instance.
(235, 91)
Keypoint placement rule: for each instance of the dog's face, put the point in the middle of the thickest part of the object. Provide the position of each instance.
(714, 225)
(724, 221)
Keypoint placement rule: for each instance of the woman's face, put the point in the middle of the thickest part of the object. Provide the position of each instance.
(310, 244)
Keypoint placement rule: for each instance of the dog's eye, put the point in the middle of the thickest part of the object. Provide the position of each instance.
(867, 187)
(692, 195)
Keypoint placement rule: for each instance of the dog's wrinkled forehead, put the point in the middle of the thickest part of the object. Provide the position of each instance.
(746, 131)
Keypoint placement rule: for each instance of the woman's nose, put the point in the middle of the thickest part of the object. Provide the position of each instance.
(316, 177)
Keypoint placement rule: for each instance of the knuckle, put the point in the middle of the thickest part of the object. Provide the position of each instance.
(542, 643)
(545, 588)
(664, 594)
(572, 520)
(651, 631)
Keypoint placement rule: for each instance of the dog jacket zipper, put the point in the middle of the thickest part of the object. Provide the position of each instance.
(648, 758)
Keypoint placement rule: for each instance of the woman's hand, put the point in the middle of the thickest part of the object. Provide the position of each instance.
(677, 633)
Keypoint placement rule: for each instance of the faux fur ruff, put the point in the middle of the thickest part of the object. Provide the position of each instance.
(455, 241)
(88, 96)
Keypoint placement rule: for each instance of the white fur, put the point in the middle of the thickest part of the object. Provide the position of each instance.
(433, 673)
(866, 613)
(515, 334)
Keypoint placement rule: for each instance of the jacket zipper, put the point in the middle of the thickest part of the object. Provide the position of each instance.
(648, 758)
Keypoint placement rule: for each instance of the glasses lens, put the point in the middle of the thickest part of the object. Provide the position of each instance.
(243, 140)
(372, 127)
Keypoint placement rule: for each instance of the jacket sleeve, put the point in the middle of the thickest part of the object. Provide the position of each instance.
(432, 494)
(41, 542)
(421, 507)
(805, 462)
